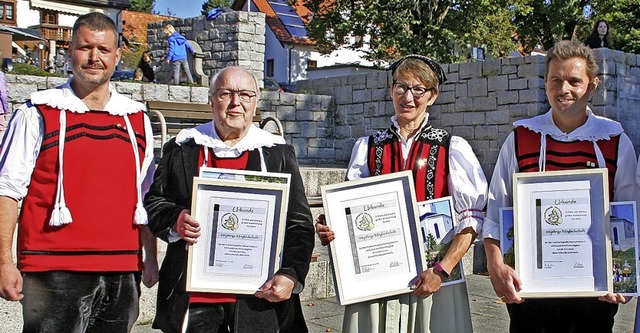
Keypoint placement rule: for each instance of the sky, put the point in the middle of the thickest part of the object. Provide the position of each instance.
(180, 8)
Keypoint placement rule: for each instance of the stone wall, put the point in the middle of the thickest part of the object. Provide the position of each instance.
(233, 38)
(479, 101)
(307, 119)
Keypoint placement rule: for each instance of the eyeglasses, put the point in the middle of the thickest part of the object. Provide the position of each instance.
(245, 96)
(416, 91)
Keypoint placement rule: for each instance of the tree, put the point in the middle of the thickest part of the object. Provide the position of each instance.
(398, 27)
(546, 22)
(211, 4)
(145, 6)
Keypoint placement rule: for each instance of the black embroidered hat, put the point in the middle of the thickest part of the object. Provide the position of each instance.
(442, 78)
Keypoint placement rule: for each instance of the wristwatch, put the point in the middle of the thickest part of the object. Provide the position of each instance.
(438, 268)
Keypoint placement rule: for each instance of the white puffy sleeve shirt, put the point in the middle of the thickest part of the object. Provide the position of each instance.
(595, 128)
(24, 135)
(467, 182)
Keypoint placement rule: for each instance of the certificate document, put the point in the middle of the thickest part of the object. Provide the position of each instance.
(563, 219)
(239, 230)
(375, 229)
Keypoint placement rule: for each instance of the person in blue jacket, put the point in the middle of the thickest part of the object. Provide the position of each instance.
(177, 55)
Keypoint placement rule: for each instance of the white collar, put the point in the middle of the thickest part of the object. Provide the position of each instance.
(205, 135)
(595, 128)
(63, 98)
(394, 121)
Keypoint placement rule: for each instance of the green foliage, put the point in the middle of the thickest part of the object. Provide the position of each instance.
(624, 25)
(397, 27)
(211, 4)
(28, 69)
(131, 58)
(145, 6)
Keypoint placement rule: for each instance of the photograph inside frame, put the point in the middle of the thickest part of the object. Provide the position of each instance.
(437, 222)
(624, 245)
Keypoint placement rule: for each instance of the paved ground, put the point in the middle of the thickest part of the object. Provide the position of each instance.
(488, 313)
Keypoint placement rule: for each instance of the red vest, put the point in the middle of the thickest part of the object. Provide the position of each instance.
(428, 159)
(100, 191)
(564, 155)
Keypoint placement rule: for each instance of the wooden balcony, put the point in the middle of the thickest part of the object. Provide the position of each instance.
(54, 32)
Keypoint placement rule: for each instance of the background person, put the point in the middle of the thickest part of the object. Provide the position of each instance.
(569, 136)
(177, 55)
(80, 156)
(147, 69)
(230, 141)
(599, 36)
(455, 171)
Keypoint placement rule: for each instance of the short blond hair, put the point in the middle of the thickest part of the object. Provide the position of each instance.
(169, 29)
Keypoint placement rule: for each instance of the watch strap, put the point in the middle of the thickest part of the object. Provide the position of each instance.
(438, 268)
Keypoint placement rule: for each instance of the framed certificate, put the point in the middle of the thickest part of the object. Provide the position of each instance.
(437, 221)
(378, 249)
(561, 233)
(242, 230)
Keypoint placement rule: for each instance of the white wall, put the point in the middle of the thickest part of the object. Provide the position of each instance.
(28, 17)
(299, 56)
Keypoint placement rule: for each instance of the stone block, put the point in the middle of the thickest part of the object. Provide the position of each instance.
(497, 117)
(20, 92)
(470, 70)
(370, 109)
(507, 97)
(486, 132)
(358, 79)
(452, 119)
(477, 87)
(303, 115)
(308, 130)
(377, 80)
(379, 94)
(491, 67)
(361, 96)
(531, 96)
(464, 104)
(509, 69)
(485, 103)
(517, 84)
(474, 118)
(497, 83)
(445, 97)
(286, 112)
(179, 94)
(344, 95)
(461, 90)
(531, 70)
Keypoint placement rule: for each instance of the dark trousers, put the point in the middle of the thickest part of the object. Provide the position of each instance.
(211, 318)
(551, 315)
(73, 302)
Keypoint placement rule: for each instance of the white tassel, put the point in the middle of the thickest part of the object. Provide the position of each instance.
(60, 216)
(140, 216)
(65, 215)
(55, 217)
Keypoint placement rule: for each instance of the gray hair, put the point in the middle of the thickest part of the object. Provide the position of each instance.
(214, 79)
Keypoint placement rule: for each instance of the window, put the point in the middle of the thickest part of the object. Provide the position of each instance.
(312, 63)
(48, 17)
(7, 12)
(270, 68)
